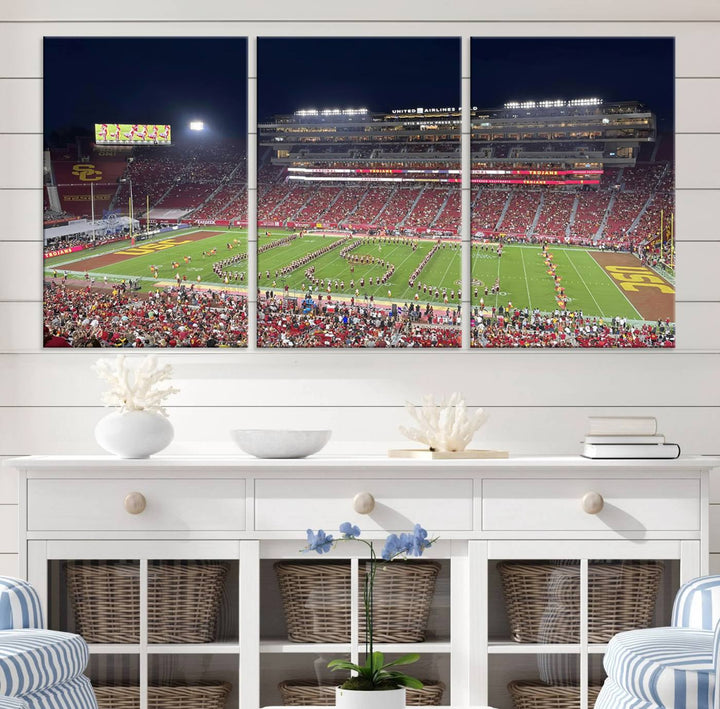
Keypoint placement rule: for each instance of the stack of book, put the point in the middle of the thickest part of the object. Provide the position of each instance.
(626, 437)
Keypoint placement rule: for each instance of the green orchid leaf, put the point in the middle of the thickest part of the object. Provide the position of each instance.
(343, 665)
(404, 660)
(404, 679)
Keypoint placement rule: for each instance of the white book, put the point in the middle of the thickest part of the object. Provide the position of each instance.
(630, 450)
(622, 426)
(603, 440)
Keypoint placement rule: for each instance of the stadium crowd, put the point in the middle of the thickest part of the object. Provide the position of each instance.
(172, 317)
(185, 317)
(524, 328)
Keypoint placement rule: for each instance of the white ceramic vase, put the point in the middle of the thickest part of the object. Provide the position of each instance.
(134, 434)
(382, 699)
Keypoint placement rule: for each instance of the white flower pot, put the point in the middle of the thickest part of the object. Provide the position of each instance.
(134, 434)
(382, 699)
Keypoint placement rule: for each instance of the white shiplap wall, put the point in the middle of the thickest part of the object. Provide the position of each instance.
(538, 401)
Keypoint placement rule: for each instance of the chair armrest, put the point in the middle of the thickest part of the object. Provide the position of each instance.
(697, 604)
(19, 605)
(13, 703)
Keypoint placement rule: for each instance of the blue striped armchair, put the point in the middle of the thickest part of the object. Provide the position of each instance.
(39, 669)
(668, 668)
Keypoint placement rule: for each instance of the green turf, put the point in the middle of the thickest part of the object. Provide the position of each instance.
(524, 280)
(59, 261)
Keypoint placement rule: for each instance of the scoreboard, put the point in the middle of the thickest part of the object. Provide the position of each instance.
(132, 134)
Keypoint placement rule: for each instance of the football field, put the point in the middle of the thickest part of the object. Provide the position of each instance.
(216, 257)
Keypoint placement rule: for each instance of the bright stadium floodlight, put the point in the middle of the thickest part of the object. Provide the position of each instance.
(197, 125)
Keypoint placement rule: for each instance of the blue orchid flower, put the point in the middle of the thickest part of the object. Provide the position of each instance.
(393, 547)
(349, 531)
(419, 541)
(320, 542)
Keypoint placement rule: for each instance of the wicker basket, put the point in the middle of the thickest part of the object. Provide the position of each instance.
(538, 695)
(316, 600)
(542, 599)
(183, 600)
(203, 695)
(308, 692)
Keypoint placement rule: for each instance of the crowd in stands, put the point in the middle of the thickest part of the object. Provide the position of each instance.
(591, 209)
(523, 328)
(426, 209)
(344, 206)
(304, 323)
(172, 317)
(317, 205)
(370, 205)
(185, 317)
(398, 207)
(211, 182)
(180, 177)
(555, 213)
(520, 214)
(487, 206)
(224, 204)
(448, 219)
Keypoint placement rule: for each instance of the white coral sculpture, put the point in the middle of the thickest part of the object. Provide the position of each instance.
(137, 390)
(444, 426)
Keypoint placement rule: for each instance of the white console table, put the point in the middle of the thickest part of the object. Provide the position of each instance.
(252, 512)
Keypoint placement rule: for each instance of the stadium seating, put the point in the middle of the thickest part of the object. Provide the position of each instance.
(271, 199)
(624, 210)
(555, 214)
(399, 206)
(448, 221)
(520, 213)
(342, 210)
(487, 207)
(423, 215)
(317, 205)
(293, 202)
(374, 200)
(590, 213)
(224, 201)
(185, 196)
(210, 184)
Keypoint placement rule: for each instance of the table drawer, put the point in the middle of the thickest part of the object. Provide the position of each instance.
(631, 505)
(285, 505)
(170, 504)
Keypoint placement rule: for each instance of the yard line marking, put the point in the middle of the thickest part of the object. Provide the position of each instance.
(450, 263)
(527, 285)
(572, 263)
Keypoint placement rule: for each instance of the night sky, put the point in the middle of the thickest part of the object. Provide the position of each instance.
(614, 69)
(174, 80)
(374, 73)
(146, 80)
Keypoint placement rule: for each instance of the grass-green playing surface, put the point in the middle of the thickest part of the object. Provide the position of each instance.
(524, 280)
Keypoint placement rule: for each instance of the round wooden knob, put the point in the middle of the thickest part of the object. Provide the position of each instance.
(135, 503)
(363, 503)
(592, 502)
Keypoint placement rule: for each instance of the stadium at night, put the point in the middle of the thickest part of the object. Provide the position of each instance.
(359, 229)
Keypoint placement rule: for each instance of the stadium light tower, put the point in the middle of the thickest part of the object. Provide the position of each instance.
(128, 180)
(197, 125)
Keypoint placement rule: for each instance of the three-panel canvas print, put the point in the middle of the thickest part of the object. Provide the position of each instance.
(359, 235)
